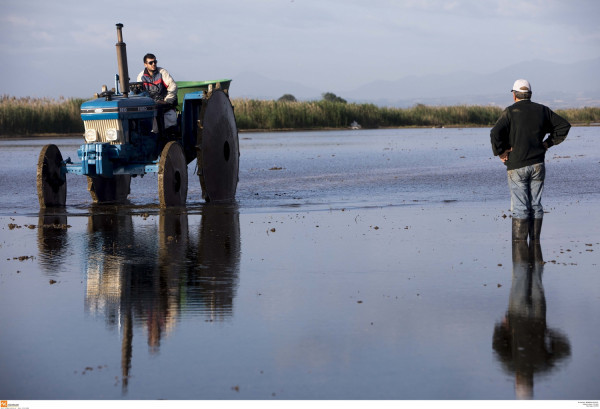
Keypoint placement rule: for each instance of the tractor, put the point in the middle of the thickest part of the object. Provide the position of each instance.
(125, 137)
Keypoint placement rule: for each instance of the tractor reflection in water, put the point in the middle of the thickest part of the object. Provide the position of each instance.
(145, 275)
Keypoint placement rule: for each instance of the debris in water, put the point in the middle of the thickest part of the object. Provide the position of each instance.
(23, 258)
(53, 226)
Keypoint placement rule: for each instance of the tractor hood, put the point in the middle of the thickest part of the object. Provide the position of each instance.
(118, 107)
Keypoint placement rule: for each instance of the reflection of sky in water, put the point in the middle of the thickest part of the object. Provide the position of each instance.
(320, 286)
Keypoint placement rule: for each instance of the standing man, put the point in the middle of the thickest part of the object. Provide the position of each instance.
(161, 87)
(518, 139)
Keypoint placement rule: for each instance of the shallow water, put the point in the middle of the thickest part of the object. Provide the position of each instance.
(371, 264)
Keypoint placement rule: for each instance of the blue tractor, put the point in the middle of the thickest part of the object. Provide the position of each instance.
(125, 137)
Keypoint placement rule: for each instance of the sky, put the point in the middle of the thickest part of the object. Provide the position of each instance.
(67, 47)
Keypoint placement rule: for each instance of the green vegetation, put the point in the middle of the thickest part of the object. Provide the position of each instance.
(584, 116)
(253, 114)
(30, 116)
(26, 116)
(328, 113)
(287, 98)
(331, 97)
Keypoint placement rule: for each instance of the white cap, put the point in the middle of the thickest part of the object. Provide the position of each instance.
(521, 86)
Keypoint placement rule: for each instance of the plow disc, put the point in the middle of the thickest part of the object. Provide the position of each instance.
(218, 148)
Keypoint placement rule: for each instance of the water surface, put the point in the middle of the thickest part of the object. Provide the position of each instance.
(372, 264)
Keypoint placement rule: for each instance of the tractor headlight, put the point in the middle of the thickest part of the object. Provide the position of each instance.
(112, 134)
(91, 135)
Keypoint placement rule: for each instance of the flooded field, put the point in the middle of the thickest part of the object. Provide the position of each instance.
(372, 264)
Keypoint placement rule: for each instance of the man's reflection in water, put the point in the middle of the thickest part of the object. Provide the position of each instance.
(140, 274)
(523, 343)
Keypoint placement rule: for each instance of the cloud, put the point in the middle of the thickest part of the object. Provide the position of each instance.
(327, 44)
(16, 21)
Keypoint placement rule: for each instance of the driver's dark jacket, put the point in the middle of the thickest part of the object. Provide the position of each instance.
(522, 127)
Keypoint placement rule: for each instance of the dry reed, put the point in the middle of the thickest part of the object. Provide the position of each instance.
(28, 116)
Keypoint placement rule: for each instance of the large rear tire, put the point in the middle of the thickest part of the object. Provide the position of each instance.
(218, 148)
(172, 176)
(51, 180)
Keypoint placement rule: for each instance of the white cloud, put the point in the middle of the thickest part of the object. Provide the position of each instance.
(16, 21)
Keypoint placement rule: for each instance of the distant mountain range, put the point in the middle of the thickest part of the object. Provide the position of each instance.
(556, 85)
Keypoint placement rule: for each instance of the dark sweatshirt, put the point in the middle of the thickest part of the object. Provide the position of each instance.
(523, 126)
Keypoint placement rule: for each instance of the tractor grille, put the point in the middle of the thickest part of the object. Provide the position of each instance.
(101, 125)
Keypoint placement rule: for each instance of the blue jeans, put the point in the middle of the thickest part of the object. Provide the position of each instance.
(526, 185)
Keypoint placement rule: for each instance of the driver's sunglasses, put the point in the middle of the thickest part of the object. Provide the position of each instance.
(151, 62)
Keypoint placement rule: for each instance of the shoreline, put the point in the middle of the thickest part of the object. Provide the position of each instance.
(282, 130)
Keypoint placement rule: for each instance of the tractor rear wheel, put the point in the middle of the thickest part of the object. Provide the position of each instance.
(218, 148)
(51, 181)
(172, 176)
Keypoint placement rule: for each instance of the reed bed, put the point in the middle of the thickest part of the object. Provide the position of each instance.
(30, 116)
(270, 115)
(255, 114)
(584, 116)
(27, 116)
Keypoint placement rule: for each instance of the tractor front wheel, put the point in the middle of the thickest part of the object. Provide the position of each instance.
(51, 180)
(172, 176)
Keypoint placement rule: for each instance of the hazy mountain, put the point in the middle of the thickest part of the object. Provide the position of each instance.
(558, 85)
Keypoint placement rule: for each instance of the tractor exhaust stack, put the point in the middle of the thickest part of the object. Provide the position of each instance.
(122, 62)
